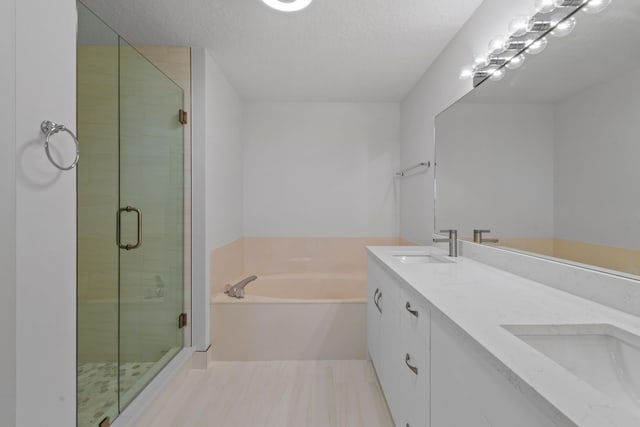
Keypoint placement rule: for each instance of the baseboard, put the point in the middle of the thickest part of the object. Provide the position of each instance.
(158, 390)
(201, 359)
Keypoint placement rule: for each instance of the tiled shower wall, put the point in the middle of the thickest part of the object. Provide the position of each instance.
(97, 176)
(97, 253)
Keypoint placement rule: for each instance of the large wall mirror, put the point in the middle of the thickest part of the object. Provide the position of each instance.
(548, 158)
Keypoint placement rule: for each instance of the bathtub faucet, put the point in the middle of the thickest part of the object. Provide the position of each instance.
(237, 290)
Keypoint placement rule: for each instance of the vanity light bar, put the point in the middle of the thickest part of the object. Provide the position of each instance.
(570, 3)
(497, 61)
(513, 44)
(541, 26)
(528, 35)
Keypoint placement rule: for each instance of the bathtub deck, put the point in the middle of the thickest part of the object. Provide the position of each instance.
(276, 393)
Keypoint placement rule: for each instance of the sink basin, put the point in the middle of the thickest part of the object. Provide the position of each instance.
(421, 259)
(606, 357)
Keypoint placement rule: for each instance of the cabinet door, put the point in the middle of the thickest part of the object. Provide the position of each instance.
(386, 345)
(390, 344)
(373, 316)
(467, 389)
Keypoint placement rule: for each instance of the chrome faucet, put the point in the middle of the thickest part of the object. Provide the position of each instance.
(237, 290)
(478, 238)
(452, 240)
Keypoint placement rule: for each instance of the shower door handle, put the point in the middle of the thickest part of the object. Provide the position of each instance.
(138, 212)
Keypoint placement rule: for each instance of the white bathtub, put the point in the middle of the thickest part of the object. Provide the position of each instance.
(292, 317)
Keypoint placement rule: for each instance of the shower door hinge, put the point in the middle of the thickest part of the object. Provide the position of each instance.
(105, 423)
(183, 117)
(182, 320)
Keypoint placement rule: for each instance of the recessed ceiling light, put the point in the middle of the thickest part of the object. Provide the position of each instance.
(288, 5)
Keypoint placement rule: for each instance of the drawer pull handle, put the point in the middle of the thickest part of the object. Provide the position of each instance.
(410, 310)
(414, 369)
(377, 301)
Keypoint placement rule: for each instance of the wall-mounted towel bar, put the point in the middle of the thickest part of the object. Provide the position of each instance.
(403, 172)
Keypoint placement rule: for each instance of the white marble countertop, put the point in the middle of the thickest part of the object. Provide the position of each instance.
(480, 299)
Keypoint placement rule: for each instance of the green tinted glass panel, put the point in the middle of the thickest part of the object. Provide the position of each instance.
(151, 184)
(97, 334)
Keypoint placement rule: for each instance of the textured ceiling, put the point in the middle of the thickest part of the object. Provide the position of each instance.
(335, 50)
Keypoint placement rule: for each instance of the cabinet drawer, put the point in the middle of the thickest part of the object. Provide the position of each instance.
(414, 316)
(415, 386)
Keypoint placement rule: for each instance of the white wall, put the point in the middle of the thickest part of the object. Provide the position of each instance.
(439, 88)
(496, 177)
(321, 169)
(45, 223)
(597, 128)
(216, 178)
(224, 159)
(7, 214)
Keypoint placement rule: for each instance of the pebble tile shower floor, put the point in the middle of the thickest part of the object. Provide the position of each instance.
(97, 388)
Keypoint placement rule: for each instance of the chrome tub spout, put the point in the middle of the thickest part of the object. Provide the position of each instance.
(237, 290)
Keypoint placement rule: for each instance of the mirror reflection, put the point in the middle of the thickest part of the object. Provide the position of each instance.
(547, 158)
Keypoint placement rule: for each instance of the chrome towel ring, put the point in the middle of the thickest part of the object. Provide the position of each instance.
(50, 129)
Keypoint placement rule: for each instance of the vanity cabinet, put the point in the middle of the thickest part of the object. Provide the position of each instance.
(398, 341)
(467, 388)
(457, 383)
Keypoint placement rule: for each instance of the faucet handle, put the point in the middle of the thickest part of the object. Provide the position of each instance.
(453, 233)
(479, 238)
(452, 240)
(227, 288)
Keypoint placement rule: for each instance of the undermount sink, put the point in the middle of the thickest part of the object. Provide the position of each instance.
(421, 259)
(604, 356)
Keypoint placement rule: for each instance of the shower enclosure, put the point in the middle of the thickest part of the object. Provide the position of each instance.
(130, 221)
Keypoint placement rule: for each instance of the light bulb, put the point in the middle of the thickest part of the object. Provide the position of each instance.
(596, 6)
(497, 45)
(545, 6)
(563, 27)
(570, 3)
(497, 75)
(515, 62)
(518, 44)
(466, 73)
(480, 61)
(537, 46)
(518, 27)
(288, 6)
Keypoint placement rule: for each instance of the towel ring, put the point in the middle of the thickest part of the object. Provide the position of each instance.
(50, 129)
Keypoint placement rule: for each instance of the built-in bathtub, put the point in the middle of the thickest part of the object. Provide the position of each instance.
(301, 316)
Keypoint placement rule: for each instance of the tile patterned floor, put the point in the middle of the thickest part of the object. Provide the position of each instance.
(343, 393)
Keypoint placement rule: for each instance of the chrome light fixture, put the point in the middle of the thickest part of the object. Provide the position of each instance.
(287, 5)
(528, 35)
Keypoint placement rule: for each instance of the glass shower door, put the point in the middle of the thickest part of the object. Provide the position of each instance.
(150, 221)
(97, 331)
